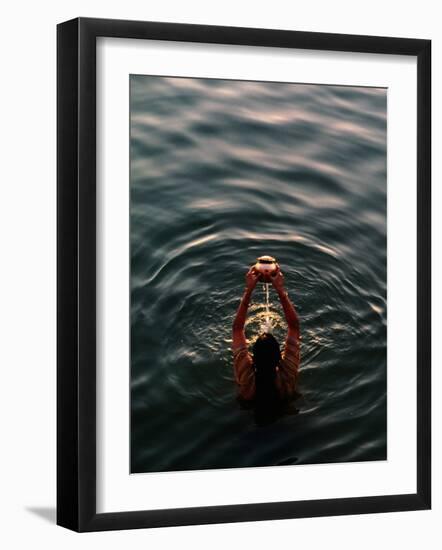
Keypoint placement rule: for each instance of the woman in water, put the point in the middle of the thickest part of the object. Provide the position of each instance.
(266, 376)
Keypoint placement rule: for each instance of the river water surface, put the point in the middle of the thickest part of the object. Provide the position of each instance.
(221, 173)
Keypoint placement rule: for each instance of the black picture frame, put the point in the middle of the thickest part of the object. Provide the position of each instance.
(76, 273)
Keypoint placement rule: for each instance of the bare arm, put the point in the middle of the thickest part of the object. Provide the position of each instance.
(238, 334)
(241, 314)
(291, 316)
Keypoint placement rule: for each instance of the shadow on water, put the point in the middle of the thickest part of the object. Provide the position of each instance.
(265, 415)
(221, 173)
(270, 408)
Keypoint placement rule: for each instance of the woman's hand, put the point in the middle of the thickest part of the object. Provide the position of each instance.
(252, 277)
(277, 280)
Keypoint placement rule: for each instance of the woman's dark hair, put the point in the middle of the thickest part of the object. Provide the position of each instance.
(266, 356)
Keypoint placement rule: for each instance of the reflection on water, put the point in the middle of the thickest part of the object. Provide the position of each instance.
(223, 172)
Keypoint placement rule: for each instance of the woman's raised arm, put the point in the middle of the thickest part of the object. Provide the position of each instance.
(238, 334)
(290, 313)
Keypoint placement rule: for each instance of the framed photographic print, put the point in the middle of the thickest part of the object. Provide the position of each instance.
(243, 274)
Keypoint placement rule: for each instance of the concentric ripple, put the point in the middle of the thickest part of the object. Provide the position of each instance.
(221, 173)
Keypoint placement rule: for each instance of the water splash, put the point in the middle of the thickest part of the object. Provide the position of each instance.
(267, 325)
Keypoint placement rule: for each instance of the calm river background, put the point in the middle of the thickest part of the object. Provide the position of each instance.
(221, 173)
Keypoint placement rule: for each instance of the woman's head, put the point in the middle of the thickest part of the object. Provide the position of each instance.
(266, 354)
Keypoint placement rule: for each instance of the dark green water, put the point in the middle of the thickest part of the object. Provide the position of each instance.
(223, 172)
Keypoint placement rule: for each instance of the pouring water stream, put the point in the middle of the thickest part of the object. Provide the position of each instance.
(267, 325)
